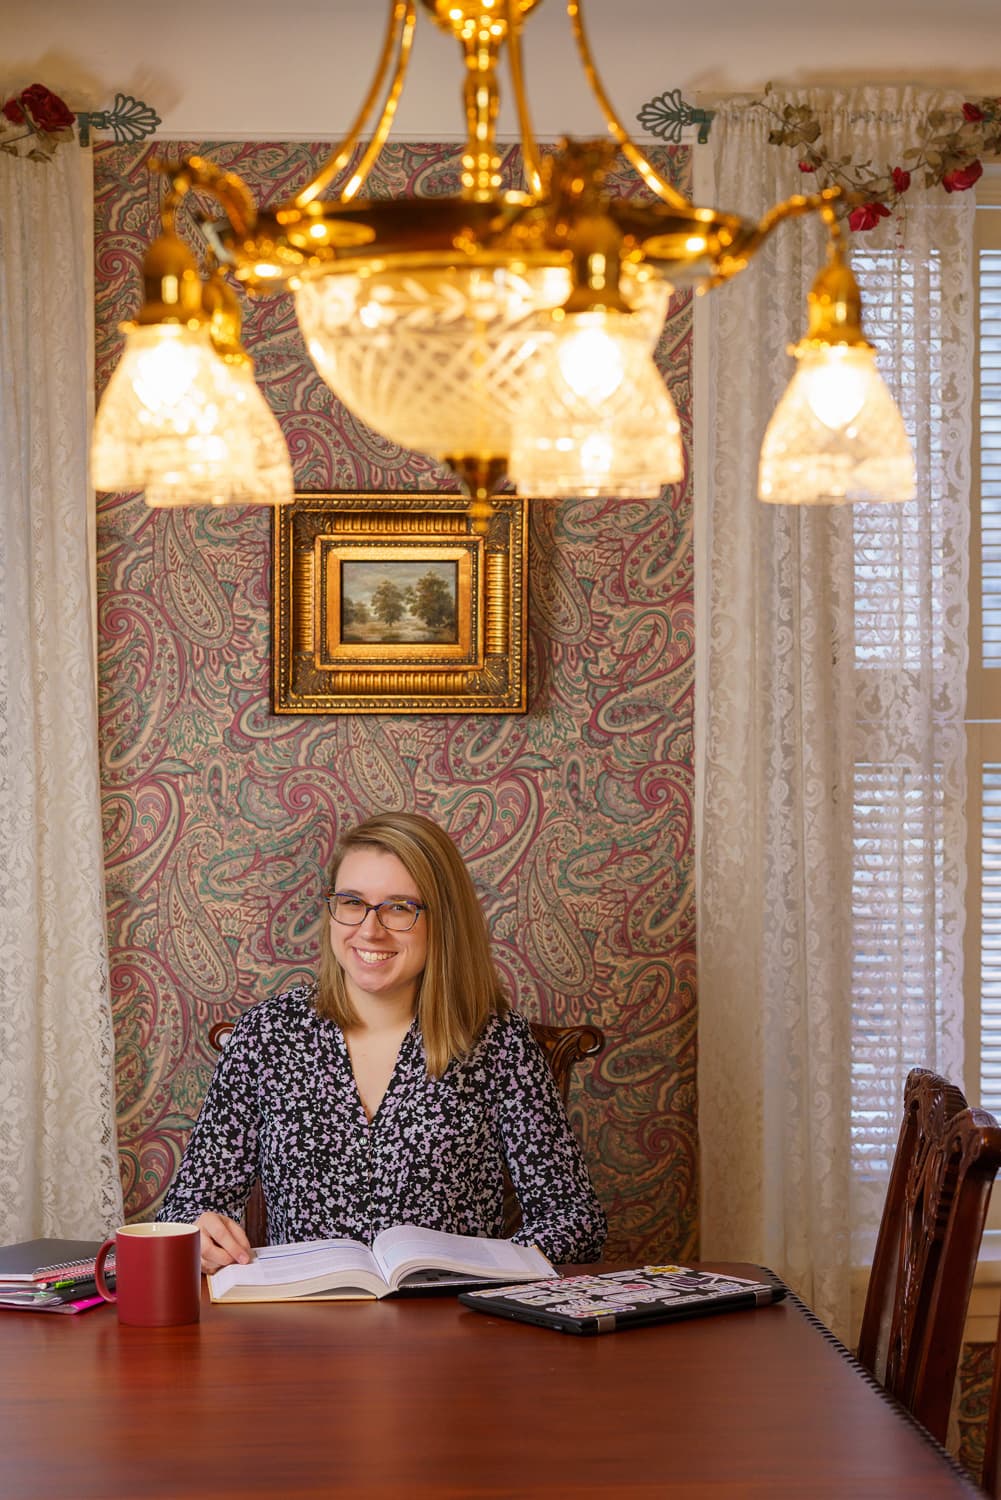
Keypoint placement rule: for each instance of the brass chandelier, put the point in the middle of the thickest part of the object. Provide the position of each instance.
(508, 334)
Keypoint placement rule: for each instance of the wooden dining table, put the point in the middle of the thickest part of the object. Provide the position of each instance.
(424, 1398)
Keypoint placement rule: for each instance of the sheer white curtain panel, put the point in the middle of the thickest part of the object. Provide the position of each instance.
(58, 1147)
(830, 701)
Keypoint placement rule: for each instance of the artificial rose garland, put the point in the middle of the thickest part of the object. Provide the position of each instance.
(948, 157)
(33, 122)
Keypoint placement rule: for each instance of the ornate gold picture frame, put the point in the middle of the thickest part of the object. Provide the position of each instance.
(391, 604)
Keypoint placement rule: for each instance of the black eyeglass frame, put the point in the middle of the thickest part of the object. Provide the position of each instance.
(332, 897)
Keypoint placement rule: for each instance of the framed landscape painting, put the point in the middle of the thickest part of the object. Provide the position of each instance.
(391, 604)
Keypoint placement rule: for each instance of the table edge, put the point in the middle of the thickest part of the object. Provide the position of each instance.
(859, 1369)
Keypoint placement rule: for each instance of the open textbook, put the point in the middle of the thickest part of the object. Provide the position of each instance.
(404, 1258)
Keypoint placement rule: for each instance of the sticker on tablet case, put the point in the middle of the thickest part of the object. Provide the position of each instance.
(593, 1309)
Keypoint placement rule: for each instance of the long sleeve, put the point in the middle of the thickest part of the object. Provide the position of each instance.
(221, 1159)
(561, 1212)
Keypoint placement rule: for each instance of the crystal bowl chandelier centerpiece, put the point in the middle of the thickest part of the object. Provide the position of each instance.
(507, 333)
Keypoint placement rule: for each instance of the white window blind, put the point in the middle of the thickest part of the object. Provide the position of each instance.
(990, 938)
(897, 852)
(983, 941)
(897, 823)
(989, 446)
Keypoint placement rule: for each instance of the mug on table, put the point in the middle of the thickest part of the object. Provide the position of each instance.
(157, 1273)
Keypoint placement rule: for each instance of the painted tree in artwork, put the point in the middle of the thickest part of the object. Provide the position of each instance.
(432, 602)
(388, 604)
(354, 611)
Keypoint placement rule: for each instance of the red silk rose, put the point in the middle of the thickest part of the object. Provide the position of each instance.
(972, 113)
(961, 178)
(46, 109)
(13, 112)
(901, 179)
(867, 215)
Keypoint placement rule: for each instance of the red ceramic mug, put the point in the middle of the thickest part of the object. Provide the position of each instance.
(157, 1273)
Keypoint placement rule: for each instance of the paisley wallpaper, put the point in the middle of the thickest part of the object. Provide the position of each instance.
(575, 818)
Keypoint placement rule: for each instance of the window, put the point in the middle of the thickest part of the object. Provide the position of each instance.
(909, 649)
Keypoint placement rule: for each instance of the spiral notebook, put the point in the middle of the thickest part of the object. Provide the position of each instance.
(35, 1260)
(614, 1300)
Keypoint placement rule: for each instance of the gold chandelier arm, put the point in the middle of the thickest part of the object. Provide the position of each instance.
(654, 181)
(736, 256)
(802, 203)
(194, 172)
(399, 39)
(530, 150)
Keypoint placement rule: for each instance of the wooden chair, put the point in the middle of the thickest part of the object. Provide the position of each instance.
(563, 1046)
(926, 1251)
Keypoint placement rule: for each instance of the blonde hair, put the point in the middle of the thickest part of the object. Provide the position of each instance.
(459, 989)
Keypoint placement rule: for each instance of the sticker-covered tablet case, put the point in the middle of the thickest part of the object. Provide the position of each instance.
(612, 1300)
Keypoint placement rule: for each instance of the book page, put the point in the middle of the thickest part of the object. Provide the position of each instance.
(290, 1266)
(406, 1247)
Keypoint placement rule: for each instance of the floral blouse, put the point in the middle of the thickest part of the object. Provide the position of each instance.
(283, 1104)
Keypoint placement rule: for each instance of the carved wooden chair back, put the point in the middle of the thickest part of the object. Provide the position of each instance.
(926, 1251)
(564, 1047)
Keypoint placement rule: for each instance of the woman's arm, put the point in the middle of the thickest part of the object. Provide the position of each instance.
(561, 1213)
(220, 1160)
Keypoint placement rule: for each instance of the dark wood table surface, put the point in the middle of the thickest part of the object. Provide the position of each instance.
(423, 1398)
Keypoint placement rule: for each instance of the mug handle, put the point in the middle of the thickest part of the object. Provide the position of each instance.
(102, 1285)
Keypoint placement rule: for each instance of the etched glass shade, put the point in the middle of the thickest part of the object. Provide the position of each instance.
(264, 479)
(836, 435)
(596, 418)
(433, 359)
(186, 427)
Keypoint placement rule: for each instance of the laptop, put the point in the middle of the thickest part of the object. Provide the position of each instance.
(613, 1300)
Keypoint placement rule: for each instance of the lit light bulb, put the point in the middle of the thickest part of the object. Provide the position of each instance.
(835, 384)
(590, 359)
(165, 370)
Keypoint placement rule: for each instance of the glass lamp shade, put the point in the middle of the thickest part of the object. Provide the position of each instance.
(433, 359)
(596, 418)
(252, 427)
(187, 427)
(836, 435)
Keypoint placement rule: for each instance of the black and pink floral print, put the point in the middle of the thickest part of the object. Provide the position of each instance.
(283, 1104)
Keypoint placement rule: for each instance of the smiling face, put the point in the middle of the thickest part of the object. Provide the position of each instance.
(379, 966)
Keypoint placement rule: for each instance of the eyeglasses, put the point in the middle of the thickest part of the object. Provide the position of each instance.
(395, 916)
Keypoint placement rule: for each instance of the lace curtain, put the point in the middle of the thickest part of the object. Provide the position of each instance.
(58, 1149)
(831, 697)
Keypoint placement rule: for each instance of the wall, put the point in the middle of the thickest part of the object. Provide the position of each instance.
(241, 67)
(576, 818)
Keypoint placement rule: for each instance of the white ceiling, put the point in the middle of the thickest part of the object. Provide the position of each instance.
(249, 68)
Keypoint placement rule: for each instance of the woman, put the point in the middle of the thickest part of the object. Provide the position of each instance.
(393, 1090)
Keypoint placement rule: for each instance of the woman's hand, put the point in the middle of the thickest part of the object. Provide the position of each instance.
(223, 1241)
